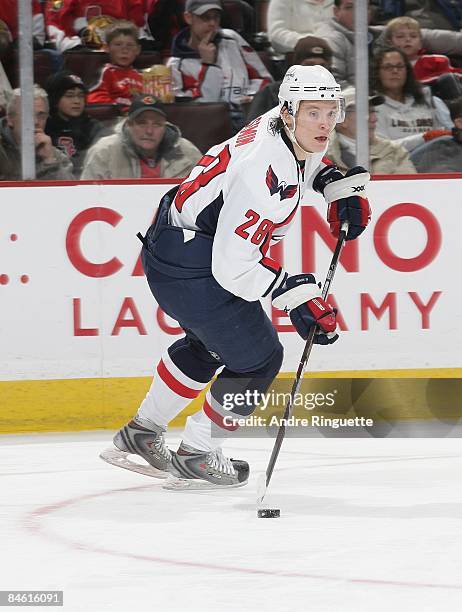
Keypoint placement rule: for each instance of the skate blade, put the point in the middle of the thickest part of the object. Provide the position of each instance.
(121, 459)
(185, 484)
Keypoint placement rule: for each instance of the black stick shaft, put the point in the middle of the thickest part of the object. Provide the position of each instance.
(303, 361)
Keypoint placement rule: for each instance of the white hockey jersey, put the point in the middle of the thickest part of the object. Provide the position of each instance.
(245, 193)
(238, 70)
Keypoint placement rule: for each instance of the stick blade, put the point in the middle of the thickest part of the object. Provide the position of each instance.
(261, 488)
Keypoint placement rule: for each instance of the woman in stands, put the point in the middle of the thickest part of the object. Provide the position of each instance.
(410, 114)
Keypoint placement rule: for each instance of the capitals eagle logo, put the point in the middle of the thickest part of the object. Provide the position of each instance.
(285, 191)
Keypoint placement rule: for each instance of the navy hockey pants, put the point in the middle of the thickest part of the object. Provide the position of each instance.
(221, 330)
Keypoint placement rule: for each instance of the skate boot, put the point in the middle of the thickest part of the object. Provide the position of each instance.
(146, 443)
(196, 469)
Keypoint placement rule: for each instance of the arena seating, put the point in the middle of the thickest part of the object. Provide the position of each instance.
(203, 124)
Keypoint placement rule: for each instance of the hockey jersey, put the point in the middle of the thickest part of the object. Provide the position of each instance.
(117, 85)
(238, 70)
(66, 18)
(9, 14)
(245, 192)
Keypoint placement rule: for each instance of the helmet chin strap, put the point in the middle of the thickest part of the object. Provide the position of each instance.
(291, 134)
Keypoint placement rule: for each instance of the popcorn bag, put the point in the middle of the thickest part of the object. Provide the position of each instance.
(158, 82)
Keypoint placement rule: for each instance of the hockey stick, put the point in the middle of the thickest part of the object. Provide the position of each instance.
(264, 479)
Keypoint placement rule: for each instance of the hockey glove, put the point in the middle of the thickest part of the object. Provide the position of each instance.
(346, 197)
(301, 298)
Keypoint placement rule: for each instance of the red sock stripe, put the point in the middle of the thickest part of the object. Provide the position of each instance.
(174, 384)
(217, 418)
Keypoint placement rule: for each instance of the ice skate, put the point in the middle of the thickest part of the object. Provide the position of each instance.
(140, 449)
(193, 469)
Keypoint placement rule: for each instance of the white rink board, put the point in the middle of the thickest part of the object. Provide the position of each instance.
(62, 323)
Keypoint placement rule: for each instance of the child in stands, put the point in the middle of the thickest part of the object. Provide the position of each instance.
(119, 82)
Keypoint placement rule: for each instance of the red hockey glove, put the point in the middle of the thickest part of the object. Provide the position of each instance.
(300, 297)
(346, 197)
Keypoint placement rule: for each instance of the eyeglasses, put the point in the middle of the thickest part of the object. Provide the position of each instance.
(390, 67)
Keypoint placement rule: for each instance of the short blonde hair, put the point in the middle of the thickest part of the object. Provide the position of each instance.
(401, 22)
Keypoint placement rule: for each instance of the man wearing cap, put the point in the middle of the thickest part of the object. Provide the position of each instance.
(147, 146)
(210, 64)
(386, 156)
(309, 51)
(71, 129)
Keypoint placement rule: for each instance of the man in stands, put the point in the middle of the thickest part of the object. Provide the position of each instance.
(147, 146)
(210, 64)
(51, 163)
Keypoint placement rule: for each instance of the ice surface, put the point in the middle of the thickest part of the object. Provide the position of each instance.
(366, 525)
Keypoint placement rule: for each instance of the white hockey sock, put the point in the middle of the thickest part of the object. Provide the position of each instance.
(170, 392)
(199, 426)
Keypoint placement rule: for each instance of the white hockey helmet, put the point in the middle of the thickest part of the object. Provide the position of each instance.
(310, 83)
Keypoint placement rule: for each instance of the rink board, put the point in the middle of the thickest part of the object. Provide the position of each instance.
(80, 334)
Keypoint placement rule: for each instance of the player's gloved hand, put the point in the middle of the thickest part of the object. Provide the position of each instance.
(431, 134)
(301, 298)
(346, 197)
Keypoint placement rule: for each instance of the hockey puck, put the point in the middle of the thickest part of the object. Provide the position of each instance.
(269, 513)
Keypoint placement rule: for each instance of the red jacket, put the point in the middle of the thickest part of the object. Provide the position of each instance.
(66, 18)
(9, 14)
(116, 86)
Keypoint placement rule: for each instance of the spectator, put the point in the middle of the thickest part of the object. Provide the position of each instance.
(9, 24)
(71, 129)
(68, 21)
(210, 64)
(147, 146)
(442, 154)
(119, 81)
(308, 51)
(410, 114)
(339, 33)
(434, 70)
(290, 20)
(441, 14)
(51, 164)
(5, 89)
(386, 156)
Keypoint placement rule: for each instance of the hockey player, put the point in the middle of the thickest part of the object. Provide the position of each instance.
(207, 264)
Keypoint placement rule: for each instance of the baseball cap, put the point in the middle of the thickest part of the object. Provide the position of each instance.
(349, 93)
(145, 102)
(311, 46)
(199, 7)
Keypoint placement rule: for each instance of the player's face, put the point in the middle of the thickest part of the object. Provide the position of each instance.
(147, 131)
(72, 103)
(408, 40)
(123, 50)
(315, 121)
